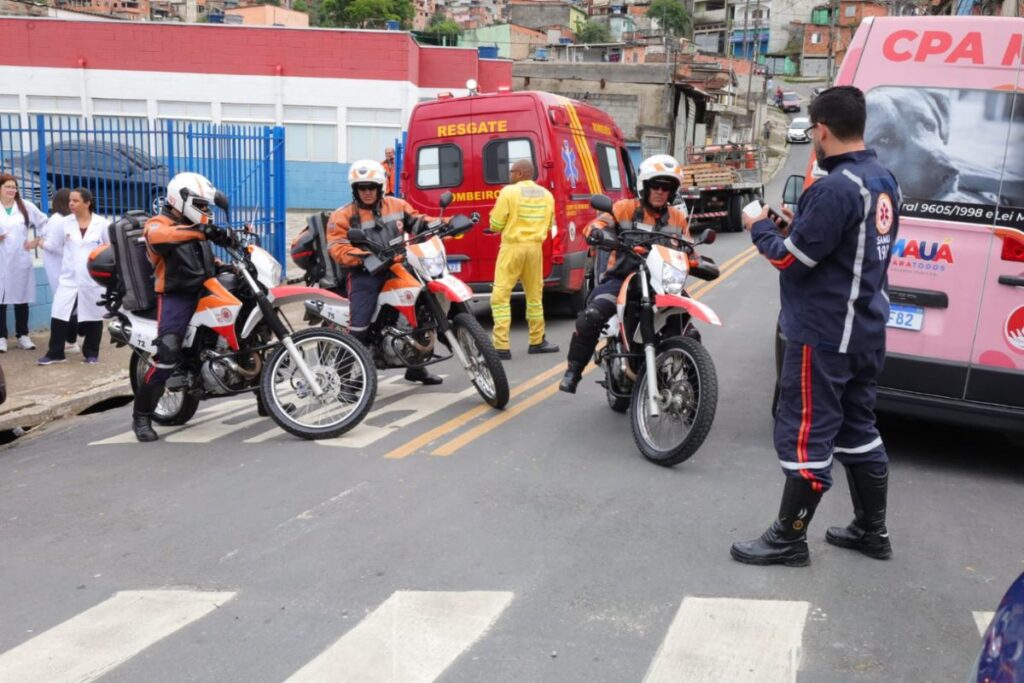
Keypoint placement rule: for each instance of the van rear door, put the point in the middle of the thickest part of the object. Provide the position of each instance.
(997, 360)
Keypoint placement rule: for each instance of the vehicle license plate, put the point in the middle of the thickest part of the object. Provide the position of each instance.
(454, 266)
(905, 317)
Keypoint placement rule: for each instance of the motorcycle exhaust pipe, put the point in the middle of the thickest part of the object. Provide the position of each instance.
(120, 332)
(244, 373)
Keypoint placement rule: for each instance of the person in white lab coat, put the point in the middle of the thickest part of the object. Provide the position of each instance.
(52, 242)
(76, 292)
(17, 280)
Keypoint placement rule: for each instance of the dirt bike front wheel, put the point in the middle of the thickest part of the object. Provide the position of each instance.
(342, 368)
(485, 369)
(687, 398)
(175, 407)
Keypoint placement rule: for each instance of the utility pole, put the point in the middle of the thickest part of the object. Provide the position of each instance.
(753, 63)
(833, 9)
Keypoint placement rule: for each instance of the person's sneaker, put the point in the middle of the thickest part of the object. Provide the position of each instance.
(504, 354)
(90, 360)
(46, 360)
(3, 346)
(544, 347)
(25, 343)
(72, 348)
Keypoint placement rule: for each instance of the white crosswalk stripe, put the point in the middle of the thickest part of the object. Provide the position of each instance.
(398, 405)
(88, 645)
(415, 636)
(982, 620)
(411, 638)
(732, 640)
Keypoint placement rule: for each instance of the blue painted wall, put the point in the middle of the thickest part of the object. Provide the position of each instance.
(316, 185)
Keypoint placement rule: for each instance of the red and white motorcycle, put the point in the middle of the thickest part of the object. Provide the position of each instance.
(654, 363)
(421, 304)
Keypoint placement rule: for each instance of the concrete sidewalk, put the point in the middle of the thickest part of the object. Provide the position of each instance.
(38, 394)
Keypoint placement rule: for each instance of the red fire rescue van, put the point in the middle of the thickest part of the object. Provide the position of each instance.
(466, 145)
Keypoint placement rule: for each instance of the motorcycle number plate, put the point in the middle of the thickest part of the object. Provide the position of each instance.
(454, 266)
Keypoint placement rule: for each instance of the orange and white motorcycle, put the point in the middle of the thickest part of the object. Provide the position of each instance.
(315, 383)
(420, 305)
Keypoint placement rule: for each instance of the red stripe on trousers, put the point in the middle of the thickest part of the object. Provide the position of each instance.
(807, 414)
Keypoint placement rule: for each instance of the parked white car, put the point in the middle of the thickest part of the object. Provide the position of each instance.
(797, 131)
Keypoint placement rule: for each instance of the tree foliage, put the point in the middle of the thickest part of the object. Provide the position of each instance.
(593, 32)
(671, 16)
(365, 13)
(443, 27)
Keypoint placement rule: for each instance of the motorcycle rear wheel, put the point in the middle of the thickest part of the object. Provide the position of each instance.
(343, 369)
(175, 407)
(486, 371)
(688, 385)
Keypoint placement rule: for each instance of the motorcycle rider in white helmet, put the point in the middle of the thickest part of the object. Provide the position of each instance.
(657, 183)
(178, 245)
(382, 219)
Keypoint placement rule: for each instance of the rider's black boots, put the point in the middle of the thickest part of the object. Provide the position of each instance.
(785, 541)
(147, 397)
(869, 485)
(421, 375)
(571, 378)
(579, 353)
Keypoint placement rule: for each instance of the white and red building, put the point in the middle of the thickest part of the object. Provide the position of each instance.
(341, 95)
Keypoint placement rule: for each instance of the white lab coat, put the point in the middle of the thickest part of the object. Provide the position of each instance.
(53, 249)
(75, 281)
(17, 282)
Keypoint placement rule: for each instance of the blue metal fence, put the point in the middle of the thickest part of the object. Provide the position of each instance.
(126, 163)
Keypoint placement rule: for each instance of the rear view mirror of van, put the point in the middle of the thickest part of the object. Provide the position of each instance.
(794, 188)
(601, 203)
(446, 199)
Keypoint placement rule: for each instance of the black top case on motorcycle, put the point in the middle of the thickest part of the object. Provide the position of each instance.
(134, 270)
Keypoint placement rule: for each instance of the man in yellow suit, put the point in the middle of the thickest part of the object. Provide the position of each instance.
(522, 214)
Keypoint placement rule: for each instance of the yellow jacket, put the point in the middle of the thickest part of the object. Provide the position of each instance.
(523, 212)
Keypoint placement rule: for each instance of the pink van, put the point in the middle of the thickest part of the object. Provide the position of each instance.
(945, 101)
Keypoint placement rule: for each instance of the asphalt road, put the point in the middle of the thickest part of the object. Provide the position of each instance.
(529, 545)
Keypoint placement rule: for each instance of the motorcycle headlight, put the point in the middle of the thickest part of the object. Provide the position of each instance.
(434, 265)
(672, 278)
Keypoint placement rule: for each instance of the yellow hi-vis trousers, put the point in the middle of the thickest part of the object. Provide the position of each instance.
(522, 261)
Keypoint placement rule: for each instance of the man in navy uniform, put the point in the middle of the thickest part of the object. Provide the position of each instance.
(832, 257)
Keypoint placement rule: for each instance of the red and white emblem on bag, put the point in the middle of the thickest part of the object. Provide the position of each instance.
(884, 215)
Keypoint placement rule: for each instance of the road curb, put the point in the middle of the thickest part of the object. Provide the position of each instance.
(48, 409)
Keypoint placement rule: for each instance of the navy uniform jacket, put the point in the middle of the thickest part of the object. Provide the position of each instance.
(833, 262)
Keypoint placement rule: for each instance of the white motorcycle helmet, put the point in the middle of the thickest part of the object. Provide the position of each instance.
(366, 171)
(192, 196)
(660, 167)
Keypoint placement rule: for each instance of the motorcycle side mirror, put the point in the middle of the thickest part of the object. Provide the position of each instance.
(220, 200)
(446, 199)
(707, 237)
(601, 203)
(459, 224)
(357, 236)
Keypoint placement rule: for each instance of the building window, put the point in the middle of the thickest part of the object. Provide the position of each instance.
(9, 103)
(438, 166)
(499, 155)
(608, 166)
(54, 105)
(202, 111)
(815, 38)
(311, 133)
(850, 11)
(653, 143)
(111, 107)
(247, 113)
(371, 131)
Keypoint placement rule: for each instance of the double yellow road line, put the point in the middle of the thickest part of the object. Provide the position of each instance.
(728, 268)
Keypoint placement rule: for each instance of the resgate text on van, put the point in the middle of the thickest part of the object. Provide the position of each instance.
(472, 128)
(942, 46)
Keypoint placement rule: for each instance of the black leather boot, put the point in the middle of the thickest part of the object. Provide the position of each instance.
(785, 541)
(579, 355)
(869, 486)
(421, 375)
(571, 378)
(146, 399)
